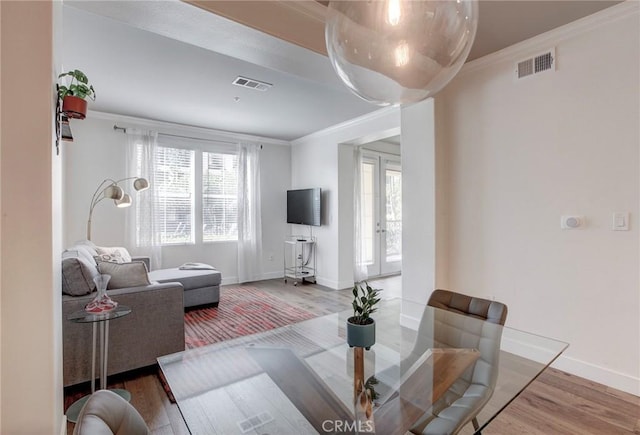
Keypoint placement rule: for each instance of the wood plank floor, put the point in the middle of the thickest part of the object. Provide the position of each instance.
(555, 403)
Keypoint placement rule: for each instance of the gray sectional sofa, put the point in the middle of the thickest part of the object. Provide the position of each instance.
(201, 287)
(155, 326)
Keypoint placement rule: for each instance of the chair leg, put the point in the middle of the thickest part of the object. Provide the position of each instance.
(476, 426)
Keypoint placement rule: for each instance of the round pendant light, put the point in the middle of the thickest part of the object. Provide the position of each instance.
(399, 51)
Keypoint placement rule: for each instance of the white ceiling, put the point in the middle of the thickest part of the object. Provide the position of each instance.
(170, 61)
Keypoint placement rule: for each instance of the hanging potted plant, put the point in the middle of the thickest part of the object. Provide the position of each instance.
(74, 96)
(361, 328)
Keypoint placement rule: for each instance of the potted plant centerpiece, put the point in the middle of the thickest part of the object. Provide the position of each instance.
(361, 328)
(74, 97)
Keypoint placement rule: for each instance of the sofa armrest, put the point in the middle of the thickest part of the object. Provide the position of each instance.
(154, 328)
(146, 260)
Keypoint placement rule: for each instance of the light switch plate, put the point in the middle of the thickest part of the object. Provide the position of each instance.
(620, 221)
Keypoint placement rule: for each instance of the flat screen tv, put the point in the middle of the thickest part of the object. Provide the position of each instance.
(304, 206)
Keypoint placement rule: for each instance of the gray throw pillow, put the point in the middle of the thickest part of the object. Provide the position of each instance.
(77, 276)
(123, 275)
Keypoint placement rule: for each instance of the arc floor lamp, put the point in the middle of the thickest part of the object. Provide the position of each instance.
(110, 189)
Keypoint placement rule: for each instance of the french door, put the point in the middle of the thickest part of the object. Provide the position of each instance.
(381, 213)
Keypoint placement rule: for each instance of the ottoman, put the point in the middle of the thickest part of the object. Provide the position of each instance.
(200, 286)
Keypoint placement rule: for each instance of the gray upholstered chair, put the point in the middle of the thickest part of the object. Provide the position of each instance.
(491, 311)
(447, 327)
(106, 413)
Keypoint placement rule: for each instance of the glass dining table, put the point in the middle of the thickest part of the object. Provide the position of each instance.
(304, 379)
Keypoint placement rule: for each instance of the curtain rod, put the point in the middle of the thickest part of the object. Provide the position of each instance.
(124, 130)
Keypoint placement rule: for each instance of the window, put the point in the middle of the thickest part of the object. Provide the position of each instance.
(219, 197)
(173, 210)
(195, 198)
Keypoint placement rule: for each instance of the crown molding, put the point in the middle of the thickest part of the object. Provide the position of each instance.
(552, 37)
(368, 117)
(174, 128)
(311, 8)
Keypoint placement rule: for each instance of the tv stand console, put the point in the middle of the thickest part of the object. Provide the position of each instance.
(300, 259)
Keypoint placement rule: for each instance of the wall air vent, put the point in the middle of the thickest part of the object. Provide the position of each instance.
(251, 83)
(537, 64)
(525, 68)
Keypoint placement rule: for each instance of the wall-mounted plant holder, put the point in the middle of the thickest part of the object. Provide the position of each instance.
(72, 96)
(63, 130)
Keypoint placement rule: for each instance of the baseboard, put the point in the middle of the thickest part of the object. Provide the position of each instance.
(328, 283)
(409, 322)
(538, 352)
(595, 373)
(333, 284)
(344, 285)
(272, 275)
(229, 280)
(602, 375)
(512, 343)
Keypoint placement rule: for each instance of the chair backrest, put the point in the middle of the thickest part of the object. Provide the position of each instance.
(491, 311)
(106, 413)
(452, 331)
(462, 321)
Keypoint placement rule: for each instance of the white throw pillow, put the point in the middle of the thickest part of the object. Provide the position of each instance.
(196, 266)
(115, 254)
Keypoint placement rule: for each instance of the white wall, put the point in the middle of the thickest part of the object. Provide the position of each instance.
(418, 210)
(483, 194)
(98, 152)
(322, 159)
(30, 290)
(519, 154)
(317, 166)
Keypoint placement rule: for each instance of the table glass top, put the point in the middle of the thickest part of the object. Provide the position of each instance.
(300, 378)
(84, 317)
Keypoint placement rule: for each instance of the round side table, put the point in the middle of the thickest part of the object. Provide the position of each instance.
(102, 320)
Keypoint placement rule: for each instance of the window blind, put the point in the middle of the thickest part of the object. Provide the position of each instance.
(174, 180)
(219, 196)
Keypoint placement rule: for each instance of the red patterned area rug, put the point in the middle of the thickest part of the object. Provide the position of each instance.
(242, 310)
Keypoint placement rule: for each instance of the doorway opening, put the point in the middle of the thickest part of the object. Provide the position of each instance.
(381, 208)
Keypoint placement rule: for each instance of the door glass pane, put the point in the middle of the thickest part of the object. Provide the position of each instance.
(368, 212)
(393, 180)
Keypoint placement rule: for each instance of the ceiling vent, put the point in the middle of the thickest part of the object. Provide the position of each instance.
(535, 65)
(251, 83)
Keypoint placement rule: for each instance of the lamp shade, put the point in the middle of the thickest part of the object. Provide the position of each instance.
(399, 51)
(113, 192)
(140, 184)
(125, 201)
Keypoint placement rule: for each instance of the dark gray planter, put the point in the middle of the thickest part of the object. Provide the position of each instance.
(361, 335)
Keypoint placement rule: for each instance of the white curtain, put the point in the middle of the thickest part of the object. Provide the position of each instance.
(143, 235)
(359, 263)
(249, 210)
